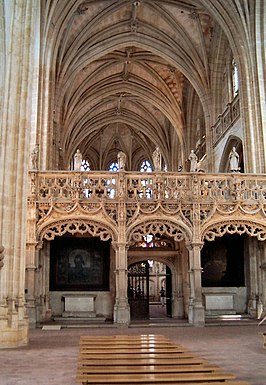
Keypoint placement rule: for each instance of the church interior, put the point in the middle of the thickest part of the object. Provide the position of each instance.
(133, 164)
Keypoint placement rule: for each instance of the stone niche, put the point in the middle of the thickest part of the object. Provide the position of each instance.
(79, 306)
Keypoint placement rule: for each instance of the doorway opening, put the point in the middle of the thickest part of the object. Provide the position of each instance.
(149, 290)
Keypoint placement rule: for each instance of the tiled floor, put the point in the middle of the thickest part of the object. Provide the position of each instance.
(51, 356)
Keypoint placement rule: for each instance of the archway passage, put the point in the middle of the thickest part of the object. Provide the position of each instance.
(149, 290)
(138, 290)
(166, 273)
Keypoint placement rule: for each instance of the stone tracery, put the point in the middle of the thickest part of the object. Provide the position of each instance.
(155, 227)
(236, 227)
(72, 227)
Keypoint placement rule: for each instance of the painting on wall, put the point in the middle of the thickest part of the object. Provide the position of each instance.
(79, 264)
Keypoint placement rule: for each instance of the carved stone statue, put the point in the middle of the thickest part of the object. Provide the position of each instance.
(121, 160)
(157, 159)
(77, 160)
(234, 160)
(35, 157)
(193, 161)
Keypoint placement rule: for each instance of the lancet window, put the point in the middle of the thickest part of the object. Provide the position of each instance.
(145, 166)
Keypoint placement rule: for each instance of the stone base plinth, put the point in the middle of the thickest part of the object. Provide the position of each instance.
(78, 314)
(14, 337)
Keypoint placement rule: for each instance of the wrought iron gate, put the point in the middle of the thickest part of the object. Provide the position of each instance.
(138, 290)
(168, 292)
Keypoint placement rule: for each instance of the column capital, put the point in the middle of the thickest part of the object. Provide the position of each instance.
(192, 245)
(117, 245)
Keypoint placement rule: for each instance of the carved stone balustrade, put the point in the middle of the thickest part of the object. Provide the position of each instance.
(62, 186)
(211, 202)
(227, 119)
(124, 207)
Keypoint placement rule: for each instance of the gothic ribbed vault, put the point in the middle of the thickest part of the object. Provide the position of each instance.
(130, 76)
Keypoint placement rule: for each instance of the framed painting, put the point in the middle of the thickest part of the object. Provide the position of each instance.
(80, 264)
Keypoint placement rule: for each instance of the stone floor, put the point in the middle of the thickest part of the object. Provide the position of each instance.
(51, 356)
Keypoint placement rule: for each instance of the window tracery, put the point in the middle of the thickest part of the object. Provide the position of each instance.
(113, 167)
(85, 166)
(145, 166)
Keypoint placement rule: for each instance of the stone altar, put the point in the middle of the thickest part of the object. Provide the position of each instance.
(79, 306)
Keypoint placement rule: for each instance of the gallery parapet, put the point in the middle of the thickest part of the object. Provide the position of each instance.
(93, 186)
(227, 119)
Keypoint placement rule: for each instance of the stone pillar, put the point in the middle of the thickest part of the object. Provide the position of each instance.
(252, 276)
(31, 252)
(196, 314)
(121, 308)
(18, 86)
(30, 285)
(262, 246)
(177, 288)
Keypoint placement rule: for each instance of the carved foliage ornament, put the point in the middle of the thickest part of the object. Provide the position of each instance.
(251, 229)
(81, 227)
(153, 228)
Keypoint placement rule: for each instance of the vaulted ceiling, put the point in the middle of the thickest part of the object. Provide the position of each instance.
(127, 75)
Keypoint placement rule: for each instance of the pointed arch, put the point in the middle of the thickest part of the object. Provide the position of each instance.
(74, 226)
(172, 229)
(253, 229)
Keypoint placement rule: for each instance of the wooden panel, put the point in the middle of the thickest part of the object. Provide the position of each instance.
(152, 361)
(153, 378)
(149, 369)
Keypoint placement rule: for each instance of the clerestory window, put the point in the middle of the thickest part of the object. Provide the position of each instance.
(235, 78)
(145, 166)
(85, 166)
(113, 167)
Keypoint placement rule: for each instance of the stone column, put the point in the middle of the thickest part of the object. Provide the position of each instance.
(177, 287)
(252, 276)
(121, 308)
(18, 85)
(31, 244)
(30, 283)
(196, 314)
